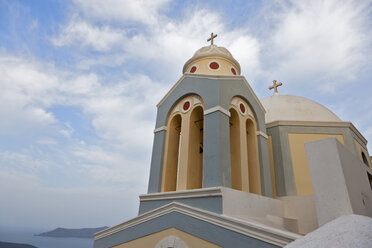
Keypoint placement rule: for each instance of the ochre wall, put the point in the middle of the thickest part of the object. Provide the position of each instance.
(359, 149)
(202, 66)
(153, 239)
(299, 161)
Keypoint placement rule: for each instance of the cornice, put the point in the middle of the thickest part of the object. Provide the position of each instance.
(219, 77)
(207, 192)
(247, 228)
(346, 124)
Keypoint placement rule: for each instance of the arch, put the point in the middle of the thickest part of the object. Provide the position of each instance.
(169, 182)
(173, 106)
(235, 150)
(364, 157)
(244, 159)
(250, 107)
(195, 153)
(253, 161)
(183, 151)
(171, 241)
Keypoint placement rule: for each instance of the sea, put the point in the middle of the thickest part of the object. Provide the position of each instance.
(27, 236)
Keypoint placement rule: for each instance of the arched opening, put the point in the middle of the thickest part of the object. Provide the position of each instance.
(172, 154)
(235, 159)
(252, 153)
(195, 161)
(365, 160)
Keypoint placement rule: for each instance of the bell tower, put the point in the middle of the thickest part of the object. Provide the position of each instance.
(210, 129)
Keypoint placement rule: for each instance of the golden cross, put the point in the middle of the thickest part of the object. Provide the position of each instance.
(275, 86)
(212, 37)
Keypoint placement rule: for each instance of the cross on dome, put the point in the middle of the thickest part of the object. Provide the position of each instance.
(211, 38)
(275, 86)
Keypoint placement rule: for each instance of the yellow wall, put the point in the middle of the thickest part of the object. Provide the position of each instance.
(359, 149)
(272, 168)
(299, 161)
(151, 240)
(203, 63)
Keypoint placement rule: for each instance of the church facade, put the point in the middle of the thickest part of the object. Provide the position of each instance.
(230, 170)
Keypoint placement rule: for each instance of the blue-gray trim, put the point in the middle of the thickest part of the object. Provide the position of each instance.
(216, 161)
(199, 228)
(156, 159)
(216, 167)
(265, 173)
(212, 204)
(285, 183)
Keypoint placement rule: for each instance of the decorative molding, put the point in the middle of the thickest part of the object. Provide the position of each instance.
(171, 90)
(171, 241)
(240, 110)
(214, 61)
(357, 133)
(262, 134)
(196, 100)
(209, 76)
(187, 110)
(217, 108)
(176, 109)
(308, 123)
(251, 229)
(195, 193)
(319, 124)
(163, 128)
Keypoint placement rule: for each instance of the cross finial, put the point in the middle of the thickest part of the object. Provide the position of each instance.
(275, 86)
(212, 37)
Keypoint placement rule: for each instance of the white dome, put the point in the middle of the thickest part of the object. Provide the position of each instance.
(294, 108)
(212, 51)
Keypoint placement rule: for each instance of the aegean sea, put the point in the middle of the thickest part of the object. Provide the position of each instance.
(27, 236)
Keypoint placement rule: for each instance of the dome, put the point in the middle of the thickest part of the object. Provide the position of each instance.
(295, 108)
(212, 51)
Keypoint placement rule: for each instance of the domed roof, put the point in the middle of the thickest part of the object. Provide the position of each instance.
(212, 51)
(295, 108)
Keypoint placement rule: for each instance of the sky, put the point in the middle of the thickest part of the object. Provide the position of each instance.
(80, 80)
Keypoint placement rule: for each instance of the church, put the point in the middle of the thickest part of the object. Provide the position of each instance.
(231, 170)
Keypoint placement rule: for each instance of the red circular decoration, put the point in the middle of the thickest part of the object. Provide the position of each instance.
(186, 106)
(193, 69)
(214, 65)
(233, 71)
(242, 108)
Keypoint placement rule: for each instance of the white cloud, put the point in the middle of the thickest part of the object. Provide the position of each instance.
(319, 41)
(123, 10)
(22, 104)
(80, 32)
(162, 47)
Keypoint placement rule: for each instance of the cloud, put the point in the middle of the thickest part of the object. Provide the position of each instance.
(80, 32)
(141, 11)
(161, 47)
(319, 41)
(21, 102)
(119, 110)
